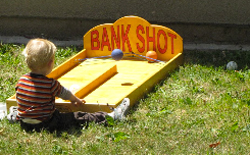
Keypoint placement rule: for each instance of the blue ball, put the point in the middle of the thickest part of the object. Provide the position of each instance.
(117, 54)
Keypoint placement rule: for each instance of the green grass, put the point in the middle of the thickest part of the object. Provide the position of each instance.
(197, 105)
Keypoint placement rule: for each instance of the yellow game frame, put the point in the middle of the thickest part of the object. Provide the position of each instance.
(101, 81)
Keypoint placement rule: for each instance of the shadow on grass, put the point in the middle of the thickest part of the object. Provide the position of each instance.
(76, 131)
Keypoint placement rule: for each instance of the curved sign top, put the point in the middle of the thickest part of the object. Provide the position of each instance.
(133, 34)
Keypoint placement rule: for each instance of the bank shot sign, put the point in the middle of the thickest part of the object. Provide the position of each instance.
(133, 34)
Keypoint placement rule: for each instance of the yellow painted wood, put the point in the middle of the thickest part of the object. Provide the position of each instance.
(141, 76)
(87, 78)
(11, 101)
(135, 72)
(106, 81)
(133, 34)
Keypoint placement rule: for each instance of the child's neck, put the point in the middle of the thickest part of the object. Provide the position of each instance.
(37, 73)
(40, 71)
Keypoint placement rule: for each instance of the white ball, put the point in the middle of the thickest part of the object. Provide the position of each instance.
(232, 65)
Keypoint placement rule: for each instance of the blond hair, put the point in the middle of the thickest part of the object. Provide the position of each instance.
(38, 52)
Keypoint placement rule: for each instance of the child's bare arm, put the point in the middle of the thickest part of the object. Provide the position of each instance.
(76, 101)
(68, 95)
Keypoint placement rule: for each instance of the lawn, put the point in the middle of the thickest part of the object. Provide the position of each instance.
(200, 108)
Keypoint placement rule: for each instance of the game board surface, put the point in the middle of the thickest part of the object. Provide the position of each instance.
(96, 77)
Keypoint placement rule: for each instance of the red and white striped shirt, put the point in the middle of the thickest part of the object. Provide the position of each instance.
(35, 95)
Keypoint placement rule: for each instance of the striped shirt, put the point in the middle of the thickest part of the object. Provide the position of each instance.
(35, 95)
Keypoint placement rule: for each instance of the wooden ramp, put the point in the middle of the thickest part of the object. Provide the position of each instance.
(102, 81)
(94, 76)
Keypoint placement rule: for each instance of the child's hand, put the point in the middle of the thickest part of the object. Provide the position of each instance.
(76, 101)
(83, 101)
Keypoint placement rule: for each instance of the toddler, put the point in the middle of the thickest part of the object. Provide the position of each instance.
(35, 94)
